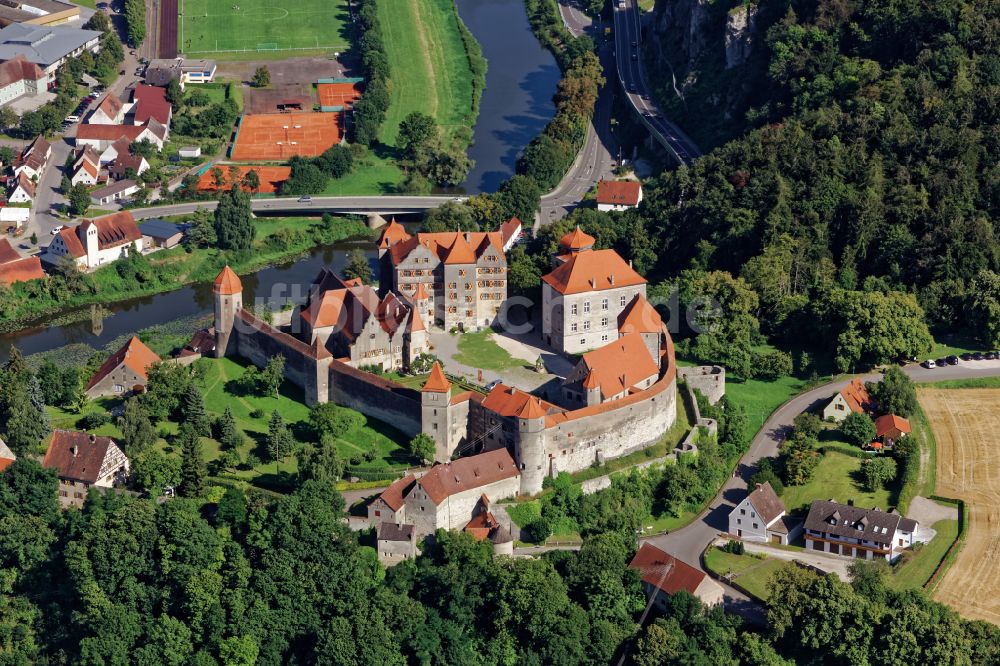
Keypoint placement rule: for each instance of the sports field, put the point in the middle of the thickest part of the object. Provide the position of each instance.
(339, 94)
(271, 178)
(430, 69)
(274, 137)
(965, 423)
(239, 29)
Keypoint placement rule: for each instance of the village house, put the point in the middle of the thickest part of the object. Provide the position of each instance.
(844, 529)
(350, 320)
(119, 190)
(21, 78)
(125, 371)
(126, 165)
(100, 136)
(86, 171)
(22, 189)
(161, 72)
(463, 274)
(889, 429)
(111, 111)
(663, 574)
(96, 242)
(618, 195)
(34, 158)
(852, 398)
(83, 461)
(761, 517)
(396, 542)
(586, 293)
(14, 268)
(150, 103)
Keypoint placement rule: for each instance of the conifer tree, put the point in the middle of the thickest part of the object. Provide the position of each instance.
(193, 411)
(192, 465)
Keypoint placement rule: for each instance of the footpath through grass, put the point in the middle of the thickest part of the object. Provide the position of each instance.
(429, 66)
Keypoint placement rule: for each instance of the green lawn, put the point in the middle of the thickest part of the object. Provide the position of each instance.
(429, 66)
(837, 476)
(262, 29)
(371, 175)
(478, 350)
(956, 345)
(751, 572)
(760, 398)
(915, 572)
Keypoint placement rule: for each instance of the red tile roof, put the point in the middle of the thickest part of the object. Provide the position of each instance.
(7, 252)
(72, 242)
(420, 294)
(151, 102)
(510, 229)
(445, 480)
(227, 282)
(111, 106)
(509, 401)
(25, 184)
(19, 69)
(889, 424)
(766, 502)
(593, 270)
(22, 270)
(395, 494)
(664, 571)
(393, 233)
(619, 192)
(639, 316)
(857, 397)
(101, 132)
(620, 365)
(113, 230)
(437, 382)
(577, 240)
(136, 356)
(442, 244)
(82, 465)
(461, 252)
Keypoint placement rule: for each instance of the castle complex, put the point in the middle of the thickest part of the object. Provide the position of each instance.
(621, 397)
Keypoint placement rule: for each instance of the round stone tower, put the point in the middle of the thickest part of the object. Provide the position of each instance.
(228, 294)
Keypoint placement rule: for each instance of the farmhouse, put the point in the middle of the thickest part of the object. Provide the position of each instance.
(124, 371)
(111, 111)
(21, 78)
(15, 269)
(586, 293)
(761, 517)
(46, 46)
(851, 531)
(22, 189)
(618, 195)
(852, 398)
(663, 574)
(83, 461)
(98, 241)
(101, 136)
(34, 158)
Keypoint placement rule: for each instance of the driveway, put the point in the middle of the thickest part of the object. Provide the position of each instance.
(828, 563)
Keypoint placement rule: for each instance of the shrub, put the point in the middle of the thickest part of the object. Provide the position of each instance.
(538, 531)
(93, 420)
(858, 428)
(734, 547)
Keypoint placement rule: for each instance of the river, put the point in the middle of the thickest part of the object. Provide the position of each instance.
(520, 82)
(516, 106)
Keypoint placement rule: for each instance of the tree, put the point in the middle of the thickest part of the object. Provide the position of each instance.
(357, 266)
(320, 462)
(417, 131)
(8, 119)
(175, 95)
(218, 178)
(229, 435)
(895, 393)
(153, 470)
(23, 421)
(192, 473)
(858, 428)
(238, 651)
(331, 420)
(423, 447)
(79, 199)
(878, 471)
(193, 411)
(261, 77)
(801, 459)
(251, 181)
(234, 225)
(279, 439)
(273, 374)
(137, 430)
(135, 19)
(520, 197)
(807, 424)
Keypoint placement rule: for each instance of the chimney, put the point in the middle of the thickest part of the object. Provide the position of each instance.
(630, 263)
(74, 450)
(613, 278)
(93, 439)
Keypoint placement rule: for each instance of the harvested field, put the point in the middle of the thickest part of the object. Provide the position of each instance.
(278, 136)
(338, 94)
(965, 423)
(271, 178)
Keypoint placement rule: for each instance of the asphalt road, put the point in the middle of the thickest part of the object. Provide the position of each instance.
(688, 542)
(316, 206)
(628, 37)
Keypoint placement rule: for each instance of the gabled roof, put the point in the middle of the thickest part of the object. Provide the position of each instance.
(766, 502)
(394, 532)
(856, 396)
(445, 480)
(21, 270)
(509, 401)
(664, 571)
(853, 522)
(110, 106)
(113, 230)
(442, 245)
(415, 323)
(509, 229)
(24, 183)
(76, 455)
(7, 252)
(619, 365)
(151, 102)
(17, 69)
(594, 270)
(420, 294)
(619, 192)
(102, 132)
(72, 242)
(87, 154)
(136, 356)
(889, 422)
(577, 240)
(393, 233)
(460, 252)
(395, 493)
(114, 188)
(639, 316)
(227, 282)
(89, 167)
(437, 382)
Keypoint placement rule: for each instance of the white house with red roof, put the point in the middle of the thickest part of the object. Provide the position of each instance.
(852, 398)
(761, 517)
(586, 293)
(618, 195)
(22, 189)
(34, 158)
(96, 242)
(21, 78)
(663, 574)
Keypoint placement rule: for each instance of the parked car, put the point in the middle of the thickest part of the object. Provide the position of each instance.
(977, 356)
(989, 356)
(305, 198)
(966, 356)
(492, 385)
(941, 362)
(56, 229)
(952, 360)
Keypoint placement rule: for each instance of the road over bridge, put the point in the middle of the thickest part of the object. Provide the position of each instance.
(383, 205)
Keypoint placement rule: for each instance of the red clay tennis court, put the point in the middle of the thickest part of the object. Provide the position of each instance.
(278, 136)
(338, 94)
(271, 177)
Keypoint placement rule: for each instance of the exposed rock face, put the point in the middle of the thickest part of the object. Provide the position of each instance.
(685, 20)
(740, 24)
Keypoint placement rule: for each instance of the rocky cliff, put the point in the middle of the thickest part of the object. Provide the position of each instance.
(740, 28)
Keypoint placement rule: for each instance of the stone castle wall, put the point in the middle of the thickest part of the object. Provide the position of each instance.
(258, 342)
(375, 397)
(709, 379)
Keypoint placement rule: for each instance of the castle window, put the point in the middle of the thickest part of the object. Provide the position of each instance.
(586, 325)
(573, 309)
(573, 327)
(621, 301)
(604, 322)
(461, 272)
(604, 304)
(586, 307)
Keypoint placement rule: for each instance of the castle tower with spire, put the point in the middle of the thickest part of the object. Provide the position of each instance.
(228, 295)
(435, 403)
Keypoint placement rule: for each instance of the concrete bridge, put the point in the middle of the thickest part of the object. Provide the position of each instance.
(382, 205)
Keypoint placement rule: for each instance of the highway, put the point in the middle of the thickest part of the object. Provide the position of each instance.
(387, 205)
(628, 38)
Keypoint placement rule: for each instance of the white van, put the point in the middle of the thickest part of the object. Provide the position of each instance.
(72, 119)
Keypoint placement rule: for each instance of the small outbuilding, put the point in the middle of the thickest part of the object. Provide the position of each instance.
(160, 233)
(663, 574)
